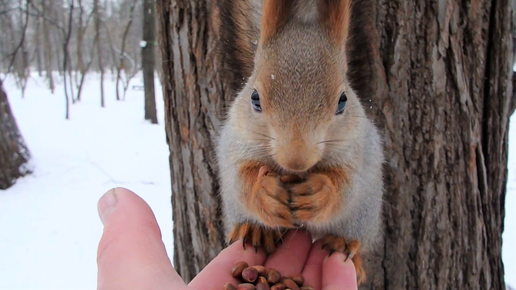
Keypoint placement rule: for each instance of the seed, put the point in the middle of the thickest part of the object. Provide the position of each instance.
(229, 286)
(273, 276)
(250, 274)
(246, 286)
(278, 286)
(260, 269)
(238, 268)
(299, 279)
(289, 283)
(262, 284)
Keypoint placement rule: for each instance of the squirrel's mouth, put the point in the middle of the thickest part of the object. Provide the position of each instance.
(282, 171)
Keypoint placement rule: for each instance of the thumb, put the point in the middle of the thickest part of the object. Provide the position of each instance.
(131, 254)
(337, 274)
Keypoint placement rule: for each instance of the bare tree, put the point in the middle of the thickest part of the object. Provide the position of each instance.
(83, 69)
(67, 35)
(97, 17)
(148, 59)
(47, 47)
(14, 155)
(439, 77)
(18, 56)
(122, 56)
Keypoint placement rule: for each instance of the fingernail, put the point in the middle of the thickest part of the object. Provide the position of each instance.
(340, 257)
(107, 204)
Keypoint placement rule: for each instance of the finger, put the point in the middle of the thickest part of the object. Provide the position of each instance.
(291, 255)
(131, 254)
(337, 274)
(312, 270)
(218, 272)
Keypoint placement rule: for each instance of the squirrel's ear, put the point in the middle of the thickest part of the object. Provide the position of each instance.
(334, 16)
(275, 14)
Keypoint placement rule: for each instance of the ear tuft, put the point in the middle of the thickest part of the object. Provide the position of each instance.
(275, 14)
(334, 16)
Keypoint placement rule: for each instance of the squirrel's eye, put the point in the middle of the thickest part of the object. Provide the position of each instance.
(255, 101)
(342, 104)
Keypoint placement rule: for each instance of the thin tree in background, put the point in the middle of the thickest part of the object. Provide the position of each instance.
(67, 34)
(121, 57)
(47, 43)
(81, 67)
(148, 59)
(96, 16)
(14, 154)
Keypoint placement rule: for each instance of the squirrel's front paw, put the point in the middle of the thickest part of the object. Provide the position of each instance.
(270, 200)
(348, 248)
(315, 199)
(257, 235)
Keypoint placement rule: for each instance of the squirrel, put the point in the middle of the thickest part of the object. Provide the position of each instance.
(297, 148)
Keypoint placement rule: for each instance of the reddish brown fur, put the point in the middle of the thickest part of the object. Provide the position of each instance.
(248, 173)
(275, 14)
(264, 195)
(318, 198)
(335, 16)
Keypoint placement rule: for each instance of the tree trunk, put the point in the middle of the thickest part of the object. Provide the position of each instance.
(444, 83)
(96, 8)
(193, 95)
(148, 59)
(48, 49)
(436, 77)
(14, 155)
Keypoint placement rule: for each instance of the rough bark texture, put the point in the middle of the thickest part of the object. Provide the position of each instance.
(444, 76)
(148, 59)
(437, 78)
(193, 96)
(14, 155)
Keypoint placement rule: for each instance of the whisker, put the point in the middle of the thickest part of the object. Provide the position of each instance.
(333, 141)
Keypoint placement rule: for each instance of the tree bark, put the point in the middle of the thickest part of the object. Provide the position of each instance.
(14, 155)
(193, 95)
(436, 77)
(444, 83)
(148, 59)
(96, 8)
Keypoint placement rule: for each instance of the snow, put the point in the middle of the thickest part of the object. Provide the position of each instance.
(49, 224)
(48, 221)
(509, 234)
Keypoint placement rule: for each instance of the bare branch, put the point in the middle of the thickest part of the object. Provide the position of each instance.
(20, 43)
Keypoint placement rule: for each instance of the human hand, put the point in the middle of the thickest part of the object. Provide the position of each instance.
(131, 254)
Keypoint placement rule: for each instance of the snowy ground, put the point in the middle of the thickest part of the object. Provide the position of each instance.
(509, 235)
(49, 228)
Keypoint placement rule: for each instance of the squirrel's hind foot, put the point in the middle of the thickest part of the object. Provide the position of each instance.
(258, 236)
(349, 248)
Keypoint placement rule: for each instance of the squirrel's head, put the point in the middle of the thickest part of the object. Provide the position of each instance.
(298, 95)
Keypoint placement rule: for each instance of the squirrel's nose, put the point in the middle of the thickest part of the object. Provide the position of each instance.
(296, 156)
(296, 165)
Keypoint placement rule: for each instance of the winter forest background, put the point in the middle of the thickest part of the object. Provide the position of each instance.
(82, 79)
(73, 76)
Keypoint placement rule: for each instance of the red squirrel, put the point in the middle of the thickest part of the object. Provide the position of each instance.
(297, 148)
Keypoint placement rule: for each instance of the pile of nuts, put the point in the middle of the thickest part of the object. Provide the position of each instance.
(260, 278)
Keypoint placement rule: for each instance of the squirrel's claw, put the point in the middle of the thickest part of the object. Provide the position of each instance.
(258, 236)
(349, 248)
